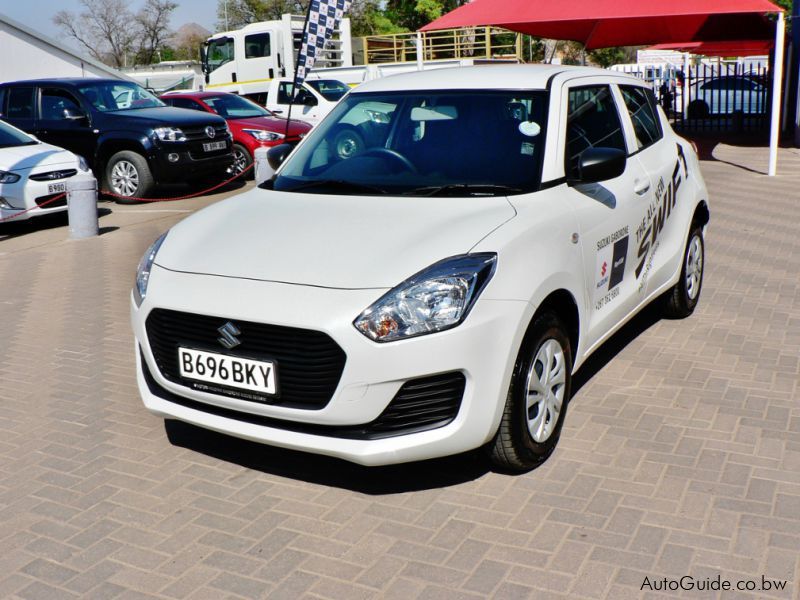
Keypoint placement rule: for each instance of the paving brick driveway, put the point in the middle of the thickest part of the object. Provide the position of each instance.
(680, 455)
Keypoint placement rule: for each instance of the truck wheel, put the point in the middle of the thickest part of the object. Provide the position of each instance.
(241, 160)
(537, 398)
(128, 175)
(682, 299)
(347, 143)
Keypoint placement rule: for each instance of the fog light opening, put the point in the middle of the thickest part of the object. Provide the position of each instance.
(4, 203)
(173, 157)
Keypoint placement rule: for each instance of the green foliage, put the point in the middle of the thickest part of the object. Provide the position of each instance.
(605, 57)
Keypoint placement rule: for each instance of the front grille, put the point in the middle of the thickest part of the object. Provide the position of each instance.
(194, 134)
(54, 175)
(309, 363)
(377, 429)
(60, 202)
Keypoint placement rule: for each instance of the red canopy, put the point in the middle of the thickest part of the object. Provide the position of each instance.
(728, 48)
(605, 23)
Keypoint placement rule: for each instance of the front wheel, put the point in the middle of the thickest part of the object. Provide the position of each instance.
(537, 398)
(682, 299)
(128, 176)
(241, 160)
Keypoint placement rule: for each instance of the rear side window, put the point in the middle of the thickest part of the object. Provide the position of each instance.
(592, 122)
(20, 103)
(256, 45)
(184, 103)
(641, 107)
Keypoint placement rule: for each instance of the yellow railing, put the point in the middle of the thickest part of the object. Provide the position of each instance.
(468, 42)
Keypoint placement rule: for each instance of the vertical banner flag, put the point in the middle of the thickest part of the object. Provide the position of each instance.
(323, 17)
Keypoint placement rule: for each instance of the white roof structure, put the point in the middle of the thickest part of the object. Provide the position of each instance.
(27, 54)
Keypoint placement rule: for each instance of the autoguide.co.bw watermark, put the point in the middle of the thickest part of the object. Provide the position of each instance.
(713, 584)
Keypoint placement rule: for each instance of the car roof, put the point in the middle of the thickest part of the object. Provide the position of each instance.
(487, 77)
(70, 81)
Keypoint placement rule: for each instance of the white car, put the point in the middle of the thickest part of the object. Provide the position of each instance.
(33, 174)
(435, 291)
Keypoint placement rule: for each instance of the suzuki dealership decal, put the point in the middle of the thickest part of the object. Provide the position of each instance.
(612, 252)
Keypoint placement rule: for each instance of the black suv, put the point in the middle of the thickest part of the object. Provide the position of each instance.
(132, 140)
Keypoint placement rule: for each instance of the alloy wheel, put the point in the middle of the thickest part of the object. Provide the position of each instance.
(124, 178)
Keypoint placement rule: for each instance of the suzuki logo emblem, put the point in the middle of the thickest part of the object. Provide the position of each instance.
(210, 131)
(228, 333)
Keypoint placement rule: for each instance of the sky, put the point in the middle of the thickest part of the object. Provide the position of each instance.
(38, 14)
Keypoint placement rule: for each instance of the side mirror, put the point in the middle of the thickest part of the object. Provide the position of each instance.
(309, 100)
(73, 114)
(277, 154)
(600, 164)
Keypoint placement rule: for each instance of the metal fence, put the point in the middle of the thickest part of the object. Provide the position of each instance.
(712, 97)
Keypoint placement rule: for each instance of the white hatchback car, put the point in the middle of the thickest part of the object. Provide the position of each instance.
(435, 291)
(33, 175)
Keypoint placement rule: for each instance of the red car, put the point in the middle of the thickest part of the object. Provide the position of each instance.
(251, 125)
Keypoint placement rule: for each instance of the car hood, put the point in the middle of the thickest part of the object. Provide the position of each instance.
(19, 158)
(347, 242)
(168, 115)
(271, 124)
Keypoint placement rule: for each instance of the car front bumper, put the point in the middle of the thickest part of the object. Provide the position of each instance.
(483, 349)
(20, 200)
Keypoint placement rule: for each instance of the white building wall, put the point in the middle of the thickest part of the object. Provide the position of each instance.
(25, 55)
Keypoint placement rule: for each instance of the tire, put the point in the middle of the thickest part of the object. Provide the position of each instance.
(515, 447)
(346, 143)
(682, 299)
(128, 174)
(698, 109)
(242, 160)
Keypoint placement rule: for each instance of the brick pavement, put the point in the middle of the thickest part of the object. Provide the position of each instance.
(680, 455)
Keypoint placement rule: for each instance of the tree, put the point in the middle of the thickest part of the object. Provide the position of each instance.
(234, 14)
(152, 21)
(111, 33)
(103, 29)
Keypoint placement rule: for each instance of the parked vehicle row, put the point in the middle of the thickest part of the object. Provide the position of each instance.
(134, 141)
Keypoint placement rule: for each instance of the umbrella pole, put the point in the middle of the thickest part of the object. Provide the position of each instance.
(777, 77)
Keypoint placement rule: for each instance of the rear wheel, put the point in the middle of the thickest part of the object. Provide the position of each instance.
(128, 175)
(537, 397)
(698, 109)
(682, 299)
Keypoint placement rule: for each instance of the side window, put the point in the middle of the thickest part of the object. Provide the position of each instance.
(54, 102)
(256, 45)
(641, 107)
(283, 93)
(2, 101)
(20, 103)
(592, 122)
(185, 103)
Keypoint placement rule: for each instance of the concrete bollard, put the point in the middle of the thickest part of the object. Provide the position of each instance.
(262, 169)
(82, 206)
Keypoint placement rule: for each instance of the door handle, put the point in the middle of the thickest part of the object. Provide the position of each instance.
(640, 186)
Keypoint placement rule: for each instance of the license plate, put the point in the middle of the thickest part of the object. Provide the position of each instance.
(242, 373)
(211, 146)
(56, 188)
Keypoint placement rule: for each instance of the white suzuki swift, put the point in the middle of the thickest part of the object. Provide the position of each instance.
(428, 268)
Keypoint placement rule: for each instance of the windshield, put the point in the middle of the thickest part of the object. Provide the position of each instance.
(423, 143)
(217, 52)
(232, 106)
(118, 95)
(10, 137)
(330, 89)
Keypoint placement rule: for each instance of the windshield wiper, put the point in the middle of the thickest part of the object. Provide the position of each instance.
(337, 184)
(470, 189)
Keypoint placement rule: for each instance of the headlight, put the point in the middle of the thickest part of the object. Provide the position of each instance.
(82, 164)
(435, 299)
(6, 177)
(143, 271)
(169, 134)
(265, 136)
